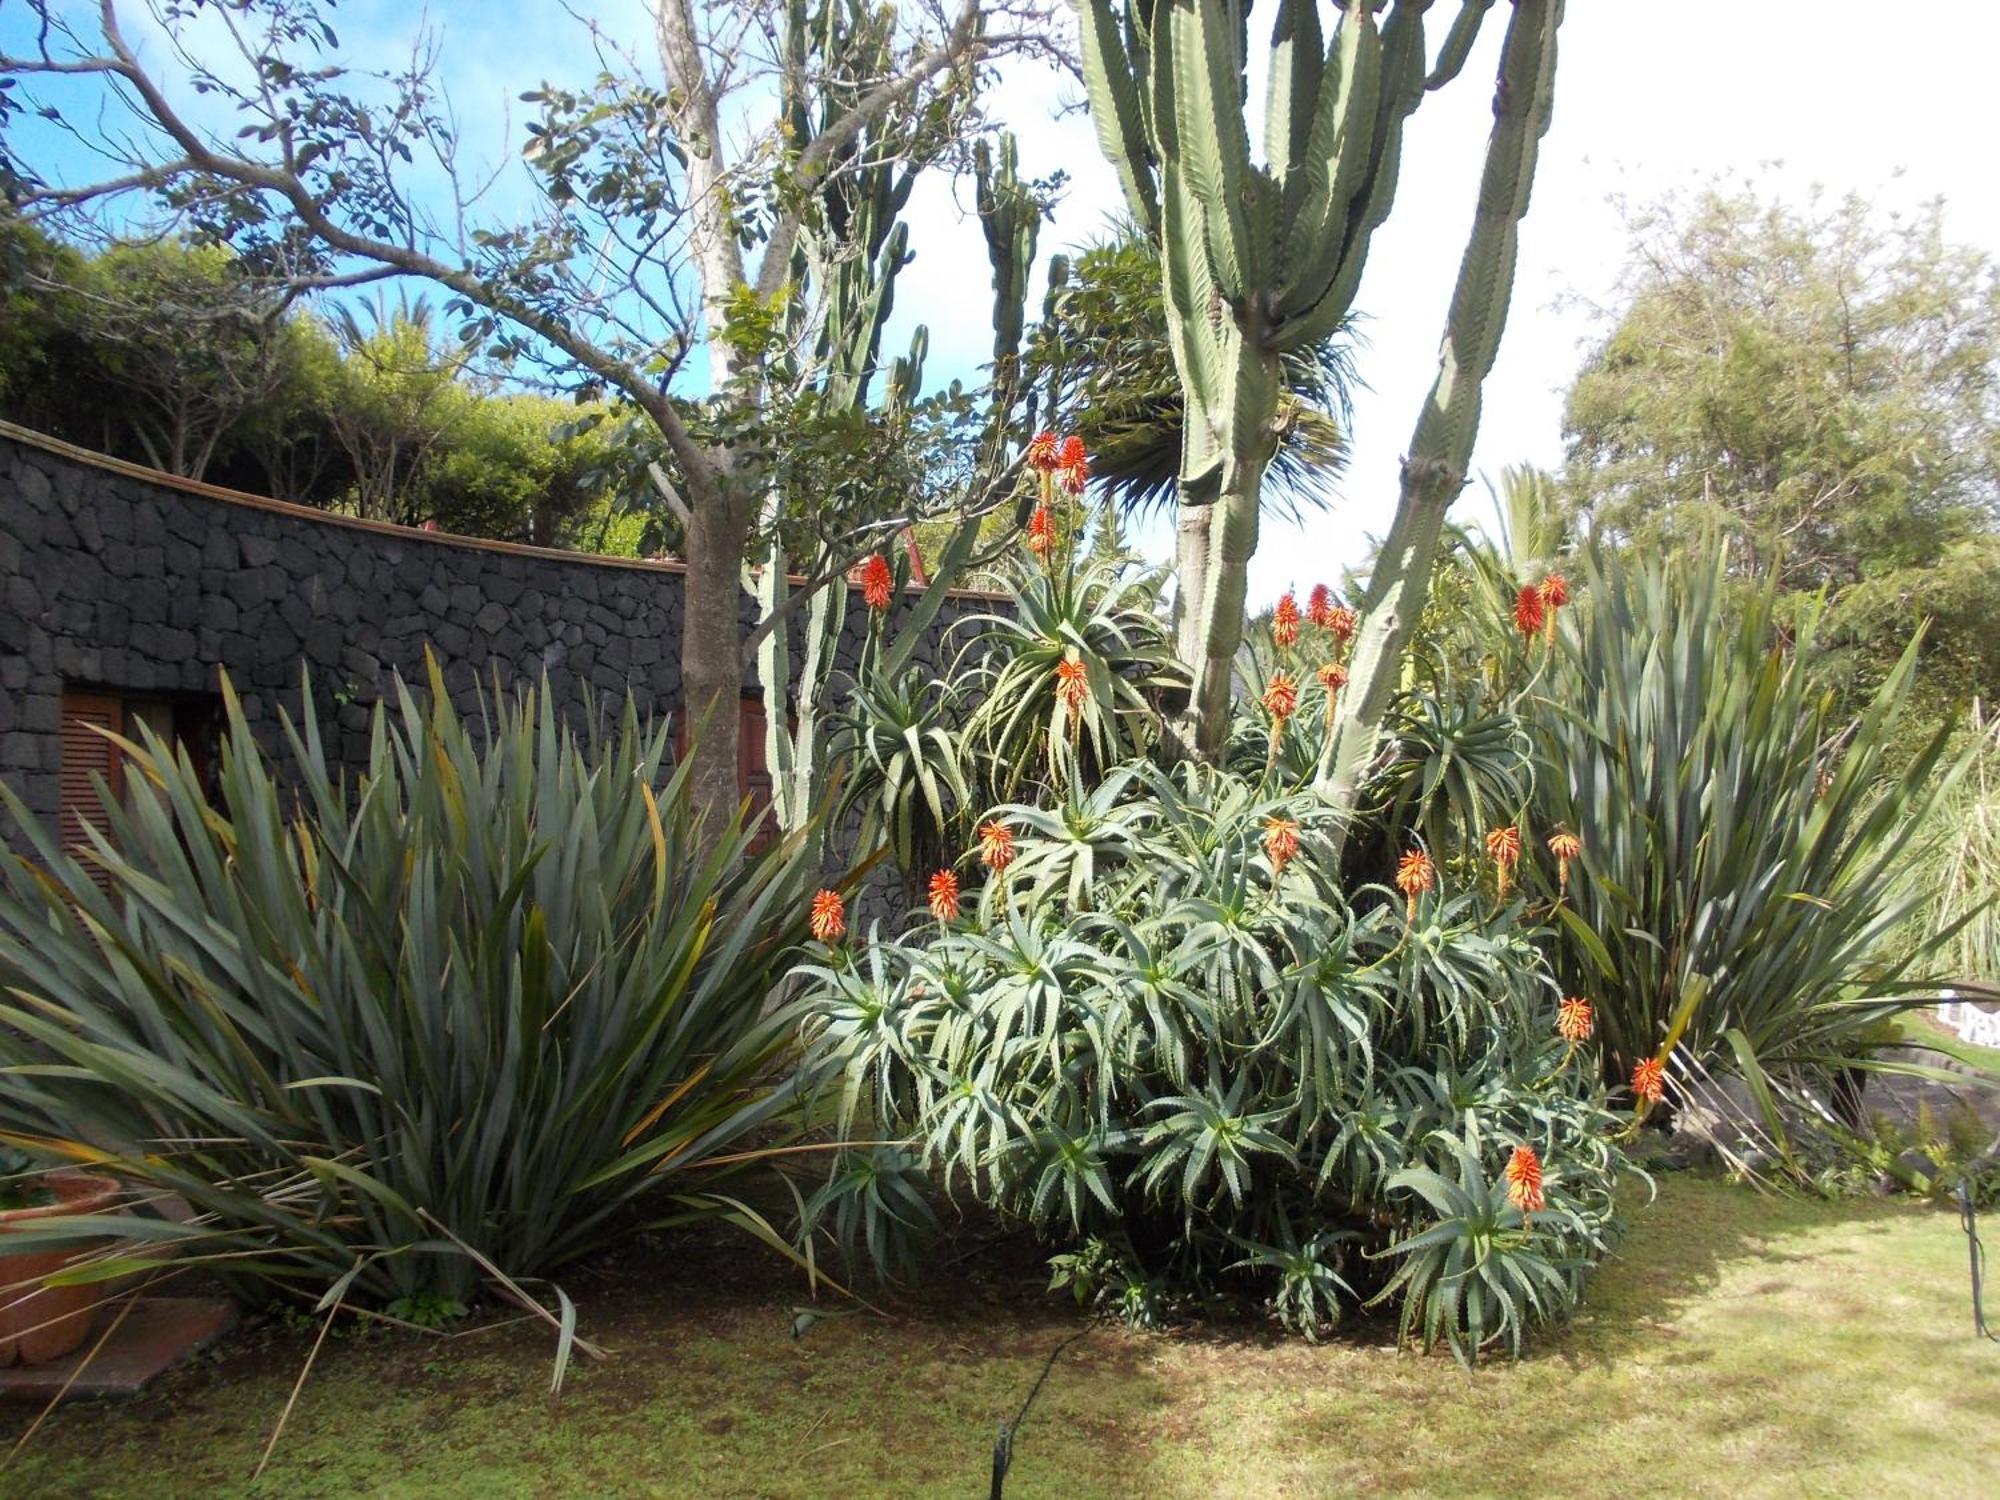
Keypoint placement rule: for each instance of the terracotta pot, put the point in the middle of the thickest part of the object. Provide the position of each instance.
(46, 1323)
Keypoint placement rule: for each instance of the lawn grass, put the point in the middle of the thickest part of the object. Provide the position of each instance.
(1739, 1345)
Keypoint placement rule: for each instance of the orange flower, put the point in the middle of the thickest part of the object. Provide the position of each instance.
(1554, 593)
(1319, 606)
(1042, 452)
(1575, 1020)
(996, 845)
(1285, 621)
(1415, 874)
(1343, 622)
(1529, 612)
(1073, 465)
(1649, 1080)
(1333, 677)
(1041, 532)
(1503, 847)
(1524, 1180)
(1072, 683)
(877, 582)
(1281, 841)
(944, 896)
(1565, 846)
(1281, 698)
(829, 917)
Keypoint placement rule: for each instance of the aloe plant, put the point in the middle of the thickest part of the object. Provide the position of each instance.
(1169, 1042)
(1021, 731)
(1260, 258)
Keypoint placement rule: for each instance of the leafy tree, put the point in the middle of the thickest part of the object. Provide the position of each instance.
(528, 468)
(155, 350)
(1821, 382)
(657, 185)
(188, 345)
(395, 400)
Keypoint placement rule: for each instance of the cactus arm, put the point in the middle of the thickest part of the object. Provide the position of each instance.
(1331, 238)
(1116, 108)
(1344, 113)
(1298, 63)
(1210, 147)
(1441, 447)
(774, 666)
(1458, 43)
(1011, 220)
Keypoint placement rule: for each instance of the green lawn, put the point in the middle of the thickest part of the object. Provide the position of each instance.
(1741, 1345)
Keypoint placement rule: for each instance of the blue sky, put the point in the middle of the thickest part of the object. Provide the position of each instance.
(1895, 102)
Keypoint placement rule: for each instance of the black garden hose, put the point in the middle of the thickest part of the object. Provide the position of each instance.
(1968, 1220)
(1003, 1446)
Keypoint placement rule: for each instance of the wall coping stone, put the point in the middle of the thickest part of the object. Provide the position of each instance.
(90, 458)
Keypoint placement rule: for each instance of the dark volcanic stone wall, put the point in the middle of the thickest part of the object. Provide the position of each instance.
(114, 577)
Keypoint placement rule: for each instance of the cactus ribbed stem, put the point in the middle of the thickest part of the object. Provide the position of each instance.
(1257, 258)
(1441, 447)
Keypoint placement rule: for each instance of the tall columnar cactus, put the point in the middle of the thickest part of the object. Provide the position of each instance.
(1011, 220)
(1441, 448)
(869, 245)
(854, 246)
(1257, 258)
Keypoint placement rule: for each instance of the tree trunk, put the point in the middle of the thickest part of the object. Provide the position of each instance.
(711, 656)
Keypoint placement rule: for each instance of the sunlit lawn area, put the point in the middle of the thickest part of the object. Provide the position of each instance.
(1740, 1345)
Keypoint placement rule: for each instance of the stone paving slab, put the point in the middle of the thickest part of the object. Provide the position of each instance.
(158, 1333)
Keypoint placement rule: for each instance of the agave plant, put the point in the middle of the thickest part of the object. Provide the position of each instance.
(398, 1035)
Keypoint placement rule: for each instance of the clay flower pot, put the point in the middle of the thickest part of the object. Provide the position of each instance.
(38, 1324)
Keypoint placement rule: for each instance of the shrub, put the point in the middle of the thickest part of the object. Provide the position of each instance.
(1745, 851)
(1167, 1041)
(393, 1035)
(1958, 864)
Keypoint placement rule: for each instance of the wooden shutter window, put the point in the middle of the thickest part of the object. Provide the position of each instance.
(86, 752)
(753, 771)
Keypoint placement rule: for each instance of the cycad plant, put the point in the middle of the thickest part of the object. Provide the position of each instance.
(398, 1035)
(1745, 850)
